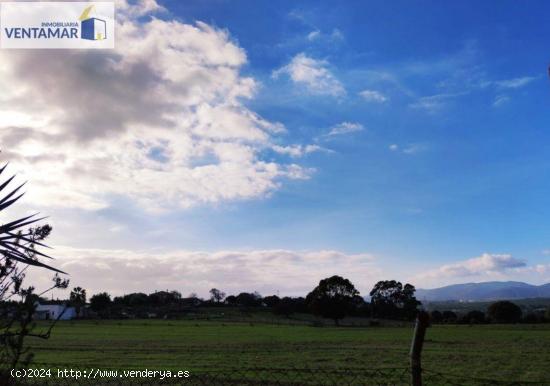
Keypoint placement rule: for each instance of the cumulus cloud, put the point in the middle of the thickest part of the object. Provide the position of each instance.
(486, 265)
(373, 96)
(267, 271)
(345, 128)
(312, 74)
(160, 119)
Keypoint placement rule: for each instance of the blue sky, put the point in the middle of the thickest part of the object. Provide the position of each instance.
(480, 179)
(410, 138)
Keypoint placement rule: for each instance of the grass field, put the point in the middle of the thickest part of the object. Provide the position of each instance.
(509, 352)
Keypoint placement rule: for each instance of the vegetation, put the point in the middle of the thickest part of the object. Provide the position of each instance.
(18, 251)
(332, 298)
(504, 312)
(509, 352)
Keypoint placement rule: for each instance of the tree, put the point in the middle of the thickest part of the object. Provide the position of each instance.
(436, 316)
(390, 299)
(19, 240)
(285, 306)
(271, 301)
(332, 298)
(100, 302)
(449, 317)
(245, 299)
(474, 317)
(78, 299)
(216, 295)
(504, 312)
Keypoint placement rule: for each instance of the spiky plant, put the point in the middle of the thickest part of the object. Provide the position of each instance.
(19, 240)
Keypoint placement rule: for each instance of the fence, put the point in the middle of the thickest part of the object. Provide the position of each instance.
(416, 374)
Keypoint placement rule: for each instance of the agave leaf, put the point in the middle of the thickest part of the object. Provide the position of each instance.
(12, 193)
(10, 202)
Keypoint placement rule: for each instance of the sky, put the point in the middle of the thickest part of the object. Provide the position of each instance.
(262, 146)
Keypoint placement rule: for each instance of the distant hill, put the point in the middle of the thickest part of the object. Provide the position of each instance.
(491, 290)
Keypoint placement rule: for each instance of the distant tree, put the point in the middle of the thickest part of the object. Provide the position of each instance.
(271, 301)
(159, 298)
(449, 317)
(231, 300)
(547, 314)
(78, 299)
(245, 299)
(332, 298)
(286, 306)
(132, 300)
(100, 302)
(436, 316)
(390, 299)
(504, 312)
(216, 295)
(475, 317)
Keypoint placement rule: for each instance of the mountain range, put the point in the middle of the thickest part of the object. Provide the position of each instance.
(486, 291)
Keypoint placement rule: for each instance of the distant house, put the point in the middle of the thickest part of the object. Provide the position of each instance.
(52, 311)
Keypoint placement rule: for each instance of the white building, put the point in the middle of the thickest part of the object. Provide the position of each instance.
(52, 312)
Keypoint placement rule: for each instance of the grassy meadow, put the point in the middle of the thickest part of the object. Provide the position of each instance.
(508, 352)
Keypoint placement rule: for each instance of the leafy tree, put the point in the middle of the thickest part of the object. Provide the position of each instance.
(390, 299)
(78, 299)
(436, 316)
(159, 298)
(271, 301)
(216, 295)
(246, 299)
(284, 306)
(332, 298)
(475, 317)
(504, 312)
(100, 302)
(449, 317)
(19, 240)
(231, 300)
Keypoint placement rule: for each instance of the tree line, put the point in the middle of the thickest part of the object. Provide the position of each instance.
(333, 298)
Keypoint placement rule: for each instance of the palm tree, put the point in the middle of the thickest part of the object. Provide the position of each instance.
(78, 299)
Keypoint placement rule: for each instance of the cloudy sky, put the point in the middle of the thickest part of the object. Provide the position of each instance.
(265, 145)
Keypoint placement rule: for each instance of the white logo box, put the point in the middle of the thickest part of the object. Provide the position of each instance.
(76, 25)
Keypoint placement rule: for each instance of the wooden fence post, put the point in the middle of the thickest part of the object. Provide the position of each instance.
(422, 322)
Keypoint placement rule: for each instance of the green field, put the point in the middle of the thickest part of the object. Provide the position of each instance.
(507, 352)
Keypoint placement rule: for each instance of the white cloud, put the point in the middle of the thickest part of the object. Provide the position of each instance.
(410, 149)
(335, 36)
(500, 100)
(314, 35)
(267, 271)
(160, 119)
(487, 266)
(313, 74)
(298, 150)
(515, 82)
(345, 128)
(434, 103)
(373, 96)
